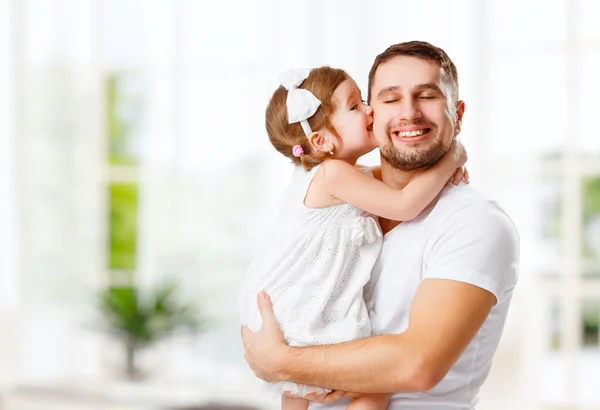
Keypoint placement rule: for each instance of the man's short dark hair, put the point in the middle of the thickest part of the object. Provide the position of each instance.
(419, 49)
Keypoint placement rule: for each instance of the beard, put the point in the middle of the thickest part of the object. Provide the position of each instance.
(412, 159)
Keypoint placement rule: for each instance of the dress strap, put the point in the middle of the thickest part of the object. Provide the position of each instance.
(302, 179)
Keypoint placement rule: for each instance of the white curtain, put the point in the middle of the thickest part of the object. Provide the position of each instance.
(9, 262)
(51, 187)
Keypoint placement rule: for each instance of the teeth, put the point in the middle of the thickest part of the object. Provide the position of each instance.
(409, 134)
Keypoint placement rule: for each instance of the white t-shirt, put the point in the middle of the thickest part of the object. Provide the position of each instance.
(464, 237)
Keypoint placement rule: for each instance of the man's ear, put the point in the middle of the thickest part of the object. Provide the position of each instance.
(460, 111)
(320, 141)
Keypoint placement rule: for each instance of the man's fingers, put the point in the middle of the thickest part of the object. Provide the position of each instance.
(334, 396)
(352, 395)
(245, 332)
(319, 398)
(265, 308)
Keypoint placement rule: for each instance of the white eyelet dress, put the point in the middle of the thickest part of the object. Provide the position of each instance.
(314, 267)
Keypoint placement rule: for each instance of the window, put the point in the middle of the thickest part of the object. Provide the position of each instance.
(591, 323)
(124, 110)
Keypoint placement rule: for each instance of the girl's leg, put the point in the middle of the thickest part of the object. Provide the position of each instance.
(293, 403)
(370, 402)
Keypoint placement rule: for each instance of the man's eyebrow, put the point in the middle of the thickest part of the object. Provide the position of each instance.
(429, 86)
(390, 89)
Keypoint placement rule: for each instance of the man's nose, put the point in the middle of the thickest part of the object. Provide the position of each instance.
(410, 110)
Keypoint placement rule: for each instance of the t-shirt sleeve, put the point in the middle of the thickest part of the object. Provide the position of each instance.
(478, 245)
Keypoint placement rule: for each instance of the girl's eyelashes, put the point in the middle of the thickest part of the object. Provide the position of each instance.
(355, 106)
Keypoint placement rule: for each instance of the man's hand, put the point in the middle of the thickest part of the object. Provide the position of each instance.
(330, 397)
(265, 350)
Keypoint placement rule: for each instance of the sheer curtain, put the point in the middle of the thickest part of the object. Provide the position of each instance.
(9, 261)
(55, 147)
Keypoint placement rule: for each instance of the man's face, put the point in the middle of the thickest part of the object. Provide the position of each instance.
(415, 119)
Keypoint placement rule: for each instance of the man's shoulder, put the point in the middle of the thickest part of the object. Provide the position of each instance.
(463, 197)
(466, 207)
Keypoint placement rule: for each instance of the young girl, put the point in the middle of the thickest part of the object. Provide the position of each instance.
(325, 240)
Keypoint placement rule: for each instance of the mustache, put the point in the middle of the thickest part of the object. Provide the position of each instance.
(399, 124)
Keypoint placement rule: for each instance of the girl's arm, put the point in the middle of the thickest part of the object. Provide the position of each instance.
(351, 185)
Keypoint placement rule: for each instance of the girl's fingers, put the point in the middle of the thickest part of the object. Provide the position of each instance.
(458, 176)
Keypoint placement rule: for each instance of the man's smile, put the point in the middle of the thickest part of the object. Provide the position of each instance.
(411, 134)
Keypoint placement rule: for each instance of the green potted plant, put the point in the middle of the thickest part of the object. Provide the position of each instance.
(142, 317)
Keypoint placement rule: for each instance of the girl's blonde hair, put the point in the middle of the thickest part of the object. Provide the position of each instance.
(322, 82)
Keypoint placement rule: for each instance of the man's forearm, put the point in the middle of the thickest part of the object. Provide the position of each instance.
(445, 316)
(379, 364)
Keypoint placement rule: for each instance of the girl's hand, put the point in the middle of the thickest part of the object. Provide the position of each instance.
(458, 153)
(460, 174)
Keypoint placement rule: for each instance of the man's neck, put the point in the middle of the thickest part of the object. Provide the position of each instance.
(396, 179)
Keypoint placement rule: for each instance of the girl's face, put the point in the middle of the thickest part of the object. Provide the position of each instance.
(353, 121)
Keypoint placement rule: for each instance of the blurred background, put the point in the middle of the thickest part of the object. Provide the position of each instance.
(133, 150)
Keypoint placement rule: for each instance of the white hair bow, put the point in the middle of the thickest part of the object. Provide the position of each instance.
(301, 103)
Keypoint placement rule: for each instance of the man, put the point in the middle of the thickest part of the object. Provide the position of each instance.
(443, 282)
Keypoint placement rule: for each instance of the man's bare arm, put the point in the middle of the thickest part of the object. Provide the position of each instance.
(445, 315)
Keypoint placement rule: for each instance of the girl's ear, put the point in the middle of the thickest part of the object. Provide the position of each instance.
(320, 141)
